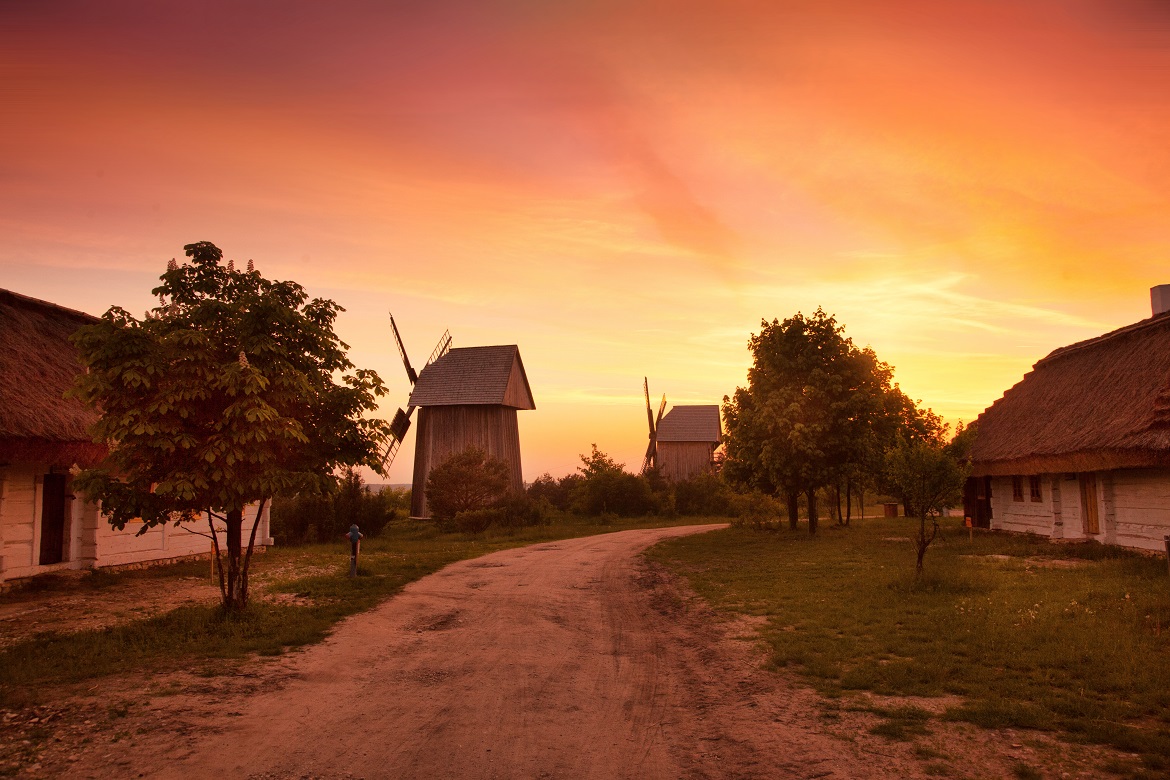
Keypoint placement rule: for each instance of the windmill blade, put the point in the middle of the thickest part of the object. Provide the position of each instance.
(652, 454)
(398, 428)
(410, 373)
(649, 411)
(442, 348)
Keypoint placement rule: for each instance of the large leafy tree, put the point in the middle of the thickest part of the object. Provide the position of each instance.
(233, 390)
(809, 413)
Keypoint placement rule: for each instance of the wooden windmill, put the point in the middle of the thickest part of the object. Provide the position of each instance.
(466, 397)
(683, 443)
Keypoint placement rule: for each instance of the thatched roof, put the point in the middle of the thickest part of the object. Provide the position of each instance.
(37, 365)
(1094, 405)
(475, 376)
(697, 422)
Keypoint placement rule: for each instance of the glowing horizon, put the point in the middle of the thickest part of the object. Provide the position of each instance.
(623, 191)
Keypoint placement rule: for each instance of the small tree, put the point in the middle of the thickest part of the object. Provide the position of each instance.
(928, 473)
(233, 390)
(606, 487)
(469, 481)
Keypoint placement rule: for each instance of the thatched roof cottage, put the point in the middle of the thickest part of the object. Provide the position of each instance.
(43, 434)
(1080, 447)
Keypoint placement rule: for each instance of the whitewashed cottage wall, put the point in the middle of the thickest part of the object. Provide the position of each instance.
(90, 541)
(1133, 507)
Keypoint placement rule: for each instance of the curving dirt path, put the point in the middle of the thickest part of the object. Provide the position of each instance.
(571, 659)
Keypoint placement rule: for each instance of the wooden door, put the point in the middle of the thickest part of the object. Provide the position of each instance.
(1092, 525)
(53, 519)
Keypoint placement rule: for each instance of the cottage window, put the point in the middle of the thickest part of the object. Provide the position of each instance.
(1017, 488)
(1034, 488)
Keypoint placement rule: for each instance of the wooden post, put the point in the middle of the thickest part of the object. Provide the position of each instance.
(1166, 541)
(353, 558)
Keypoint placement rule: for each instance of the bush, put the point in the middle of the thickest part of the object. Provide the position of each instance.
(519, 510)
(703, 494)
(557, 493)
(614, 492)
(474, 521)
(308, 519)
(468, 481)
(754, 510)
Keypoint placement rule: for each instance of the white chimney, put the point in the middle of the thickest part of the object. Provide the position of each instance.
(1160, 299)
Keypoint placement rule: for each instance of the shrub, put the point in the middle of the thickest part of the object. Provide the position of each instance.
(470, 480)
(518, 510)
(556, 492)
(703, 494)
(474, 521)
(754, 510)
(308, 518)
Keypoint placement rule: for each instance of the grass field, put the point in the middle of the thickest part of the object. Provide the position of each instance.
(1067, 638)
(201, 637)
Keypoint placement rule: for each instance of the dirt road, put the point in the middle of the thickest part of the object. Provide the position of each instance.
(572, 659)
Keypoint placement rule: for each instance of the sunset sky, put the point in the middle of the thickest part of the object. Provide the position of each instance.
(620, 188)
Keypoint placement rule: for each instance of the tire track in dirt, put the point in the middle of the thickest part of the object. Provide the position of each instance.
(575, 659)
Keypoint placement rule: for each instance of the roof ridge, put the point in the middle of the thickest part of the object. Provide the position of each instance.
(28, 299)
(1157, 319)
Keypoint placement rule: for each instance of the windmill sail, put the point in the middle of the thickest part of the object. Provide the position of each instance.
(648, 462)
(400, 425)
(410, 373)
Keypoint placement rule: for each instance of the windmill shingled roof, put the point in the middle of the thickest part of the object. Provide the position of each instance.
(471, 375)
(698, 422)
(1097, 404)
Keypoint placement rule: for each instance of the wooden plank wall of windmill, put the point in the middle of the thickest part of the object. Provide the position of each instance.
(679, 460)
(444, 431)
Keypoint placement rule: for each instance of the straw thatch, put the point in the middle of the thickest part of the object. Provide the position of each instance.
(1092, 406)
(37, 366)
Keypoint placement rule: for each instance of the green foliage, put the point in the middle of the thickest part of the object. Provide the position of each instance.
(1078, 649)
(818, 410)
(233, 390)
(606, 487)
(754, 510)
(702, 494)
(469, 481)
(307, 519)
(557, 493)
(928, 475)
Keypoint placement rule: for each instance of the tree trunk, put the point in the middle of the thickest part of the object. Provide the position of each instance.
(848, 501)
(248, 554)
(812, 510)
(837, 502)
(793, 509)
(235, 532)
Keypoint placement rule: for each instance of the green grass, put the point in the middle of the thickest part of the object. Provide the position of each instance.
(1082, 651)
(201, 637)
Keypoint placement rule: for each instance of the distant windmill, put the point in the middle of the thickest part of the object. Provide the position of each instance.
(401, 422)
(466, 397)
(683, 443)
(650, 462)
